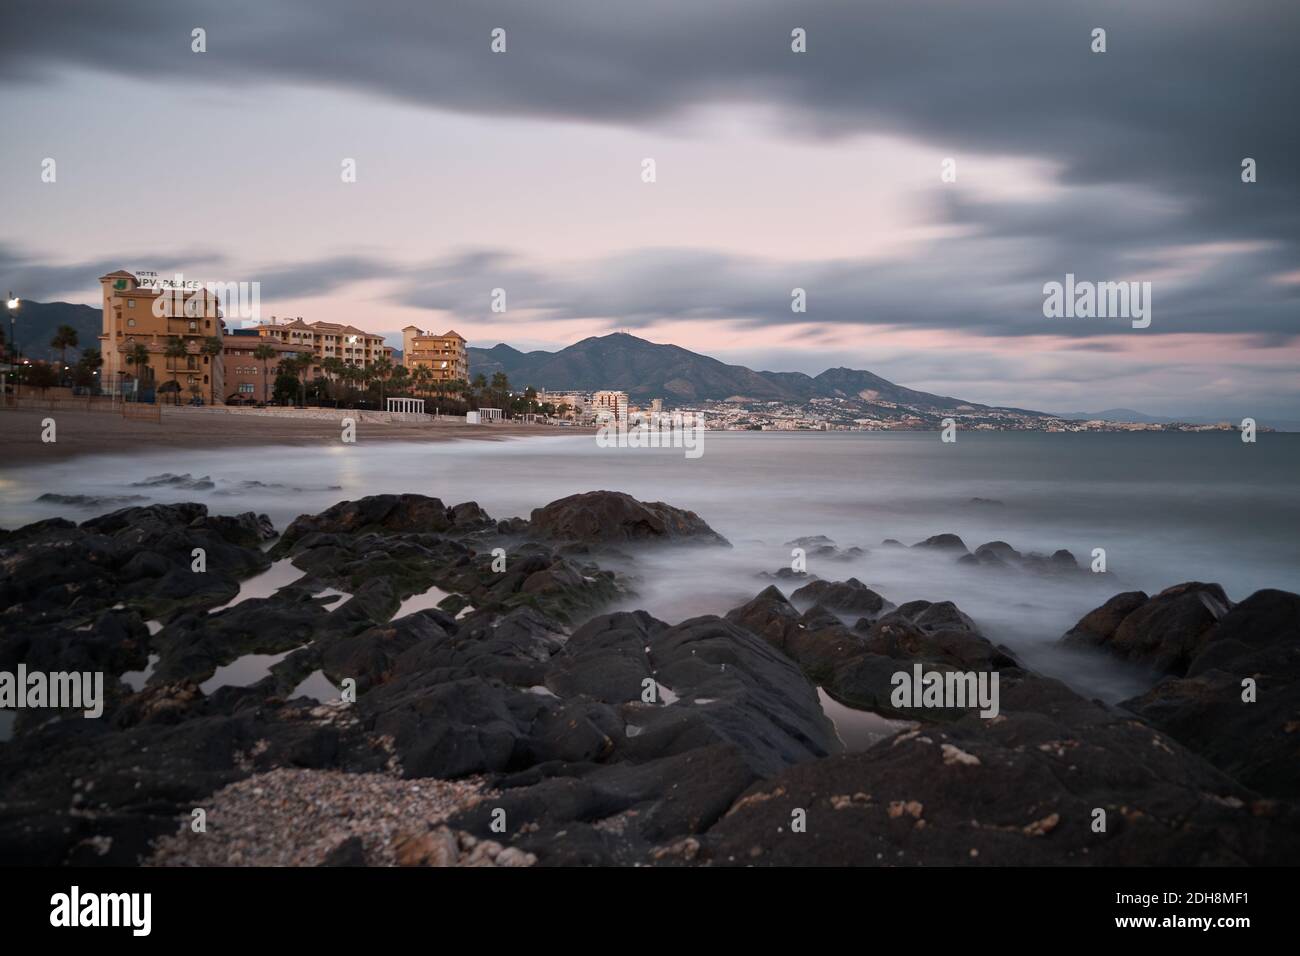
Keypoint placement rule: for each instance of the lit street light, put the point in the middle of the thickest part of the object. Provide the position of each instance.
(13, 303)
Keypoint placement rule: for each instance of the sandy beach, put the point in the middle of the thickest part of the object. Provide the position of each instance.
(99, 432)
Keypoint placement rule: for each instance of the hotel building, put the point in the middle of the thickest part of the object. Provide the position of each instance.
(190, 314)
(329, 340)
(444, 354)
(249, 379)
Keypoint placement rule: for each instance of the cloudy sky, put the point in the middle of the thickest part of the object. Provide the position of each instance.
(821, 170)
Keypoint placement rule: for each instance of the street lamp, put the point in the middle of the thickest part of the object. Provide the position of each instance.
(13, 303)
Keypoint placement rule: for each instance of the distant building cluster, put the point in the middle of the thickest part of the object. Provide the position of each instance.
(176, 340)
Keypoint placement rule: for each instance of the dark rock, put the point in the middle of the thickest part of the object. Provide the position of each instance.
(1098, 626)
(996, 552)
(1164, 632)
(614, 516)
(169, 480)
(349, 852)
(394, 513)
(942, 542)
(1017, 790)
(849, 597)
(1257, 743)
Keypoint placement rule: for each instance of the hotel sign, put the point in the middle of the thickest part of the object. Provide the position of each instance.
(153, 282)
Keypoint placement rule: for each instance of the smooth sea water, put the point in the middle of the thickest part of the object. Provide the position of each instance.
(1166, 507)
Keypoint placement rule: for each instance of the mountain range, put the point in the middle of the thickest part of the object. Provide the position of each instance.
(647, 370)
(36, 322)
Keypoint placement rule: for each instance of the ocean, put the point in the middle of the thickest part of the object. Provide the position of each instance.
(1165, 507)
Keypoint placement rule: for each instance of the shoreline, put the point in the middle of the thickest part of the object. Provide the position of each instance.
(82, 433)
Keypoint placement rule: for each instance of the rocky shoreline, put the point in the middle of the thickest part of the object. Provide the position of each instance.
(511, 720)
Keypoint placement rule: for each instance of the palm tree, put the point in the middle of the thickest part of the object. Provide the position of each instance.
(65, 337)
(264, 353)
(382, 368)
(425, 382)
(84, 374)
(137, 355)
(176, 349)
(213, 347)
(301, 366)
(333, 367)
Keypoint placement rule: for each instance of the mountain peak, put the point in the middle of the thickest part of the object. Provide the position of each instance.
(647, 370)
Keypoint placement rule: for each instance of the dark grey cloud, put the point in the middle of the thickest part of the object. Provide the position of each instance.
(1186, 90)
(31, 275)
(1149, 136)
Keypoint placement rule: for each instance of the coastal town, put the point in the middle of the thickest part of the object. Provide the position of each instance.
(171, 342)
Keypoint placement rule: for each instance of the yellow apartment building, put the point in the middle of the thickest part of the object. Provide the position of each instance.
(329, 340)
(134, 315)
(444, 355)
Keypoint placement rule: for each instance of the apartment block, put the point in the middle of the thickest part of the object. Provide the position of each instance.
(328, 340)
(444, 355)
(609, 405)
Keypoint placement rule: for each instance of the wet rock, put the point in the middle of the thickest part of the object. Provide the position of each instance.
(1257, 743)
(823, 548)
(942, 542)
(995, 553)
(1018, 790)
(611, 516)
(248, 530)
(769, 615)
(1164, 632)
(1098, 626)
(393, 513)
(168, 480)
(848, 597)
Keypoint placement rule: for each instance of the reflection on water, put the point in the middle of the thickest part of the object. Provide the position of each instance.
(316, 686)
(137, 679)
(421, 602)
(244, 672)
(280, 574)
(859, 729)
(332, 596)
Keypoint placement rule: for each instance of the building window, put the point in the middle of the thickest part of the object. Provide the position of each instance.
(246, 388)
(130, 303)
(194, 326)
(130, 323)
